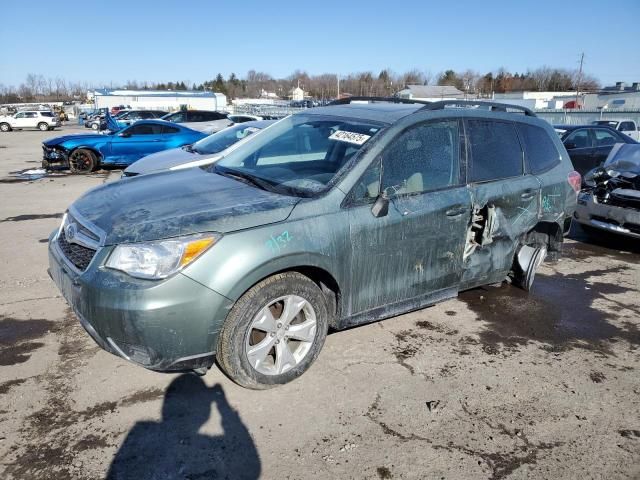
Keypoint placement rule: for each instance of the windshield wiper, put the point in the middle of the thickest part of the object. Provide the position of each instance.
(245, 177)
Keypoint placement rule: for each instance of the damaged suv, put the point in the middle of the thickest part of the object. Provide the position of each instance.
(329, 218)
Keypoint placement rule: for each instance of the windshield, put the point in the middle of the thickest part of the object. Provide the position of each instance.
(222, 140)
(610, 123)
(300, 154)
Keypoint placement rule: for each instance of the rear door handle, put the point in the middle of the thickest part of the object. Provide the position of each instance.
(456, 211)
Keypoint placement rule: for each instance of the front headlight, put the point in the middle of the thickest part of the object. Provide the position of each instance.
(159, 259)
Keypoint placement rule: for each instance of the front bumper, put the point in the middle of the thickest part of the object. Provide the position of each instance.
(624, 221)
(169, 325)
(54, 155)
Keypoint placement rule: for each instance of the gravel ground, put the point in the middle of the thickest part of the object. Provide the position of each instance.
(495, 384)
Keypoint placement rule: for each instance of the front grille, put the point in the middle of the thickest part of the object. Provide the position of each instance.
(79, 255)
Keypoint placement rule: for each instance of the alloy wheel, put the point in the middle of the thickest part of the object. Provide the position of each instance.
(280, 335)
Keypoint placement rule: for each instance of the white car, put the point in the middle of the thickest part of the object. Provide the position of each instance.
(206, 121)
(41, 119)
(628, 127)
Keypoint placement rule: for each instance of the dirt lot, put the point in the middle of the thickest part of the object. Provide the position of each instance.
(496, 384)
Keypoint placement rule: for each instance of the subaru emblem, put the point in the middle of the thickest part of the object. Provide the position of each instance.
(70, 231)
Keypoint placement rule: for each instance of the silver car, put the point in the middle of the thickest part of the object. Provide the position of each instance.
(611, 199)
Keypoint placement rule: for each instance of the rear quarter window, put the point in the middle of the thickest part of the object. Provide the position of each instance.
(540, 151)
(46, 114)
(495, 150)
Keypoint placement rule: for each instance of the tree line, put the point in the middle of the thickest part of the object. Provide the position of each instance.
(37, 88)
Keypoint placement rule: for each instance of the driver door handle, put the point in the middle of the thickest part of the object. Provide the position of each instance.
(528, 194)
(456, 211)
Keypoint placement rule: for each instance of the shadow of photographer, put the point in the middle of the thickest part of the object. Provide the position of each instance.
(173, 448)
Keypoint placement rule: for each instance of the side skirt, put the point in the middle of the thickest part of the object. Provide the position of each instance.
(394, 309)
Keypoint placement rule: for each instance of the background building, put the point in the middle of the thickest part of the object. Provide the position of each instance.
(159, 99)
(431, 93)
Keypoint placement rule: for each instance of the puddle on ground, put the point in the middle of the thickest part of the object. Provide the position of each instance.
(559, 312)
(16, 338)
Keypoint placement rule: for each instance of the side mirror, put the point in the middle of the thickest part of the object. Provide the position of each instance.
(381, 206)
(570, 146)
(124, 134)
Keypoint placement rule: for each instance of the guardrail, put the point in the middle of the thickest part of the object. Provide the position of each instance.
(582, 117)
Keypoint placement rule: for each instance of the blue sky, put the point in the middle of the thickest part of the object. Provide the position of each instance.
(116, 41)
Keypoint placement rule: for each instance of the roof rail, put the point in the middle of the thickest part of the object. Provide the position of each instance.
(493, 106)
(348, 100)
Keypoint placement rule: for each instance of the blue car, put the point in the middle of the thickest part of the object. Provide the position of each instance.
(85, 153)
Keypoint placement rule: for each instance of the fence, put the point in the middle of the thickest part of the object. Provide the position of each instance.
(583, 117)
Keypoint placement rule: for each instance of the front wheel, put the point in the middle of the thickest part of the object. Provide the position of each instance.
(5, 127)
(274, 332)
(95, 126)
(82, 161)
(43, 127)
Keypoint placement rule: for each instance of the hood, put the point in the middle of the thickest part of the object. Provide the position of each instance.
(162, 161)
(65, 138)
(624, 157)
(152, 207)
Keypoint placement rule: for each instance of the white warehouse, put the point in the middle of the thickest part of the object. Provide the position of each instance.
(159, 99)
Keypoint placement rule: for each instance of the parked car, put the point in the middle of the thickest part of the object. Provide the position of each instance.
(589, 145)
(84, 153)
(130, 116)
(203, 152)
(41, 119)
(119, 108)
(628, 127)
(335, 216)
(610, 200)
(203, 120)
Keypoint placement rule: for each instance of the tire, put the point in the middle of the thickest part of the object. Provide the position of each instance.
(5, 127)
(43, 127)
(244, 330)
(82, 161)
(95, 126)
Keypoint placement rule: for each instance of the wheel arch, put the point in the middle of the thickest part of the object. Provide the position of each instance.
(316, 268)
(90, 148)
(546, 234)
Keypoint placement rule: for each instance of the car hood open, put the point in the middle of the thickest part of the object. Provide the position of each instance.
(169, 204)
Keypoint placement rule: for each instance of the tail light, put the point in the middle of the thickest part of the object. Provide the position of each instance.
(575, 180)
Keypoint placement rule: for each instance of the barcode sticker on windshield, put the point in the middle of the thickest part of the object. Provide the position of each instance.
(349, 137)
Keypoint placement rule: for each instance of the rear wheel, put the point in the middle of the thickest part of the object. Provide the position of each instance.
(43, 127)
(5, 127)
(82, 161)
(274, 332)
(95, 126)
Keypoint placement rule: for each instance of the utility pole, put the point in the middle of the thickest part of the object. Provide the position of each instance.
(579, 78)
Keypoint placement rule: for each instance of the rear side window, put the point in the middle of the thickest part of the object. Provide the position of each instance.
(167, 129)
(146, 129)
(495, 150)
(540, 151)
(46, 114)
(210, 116)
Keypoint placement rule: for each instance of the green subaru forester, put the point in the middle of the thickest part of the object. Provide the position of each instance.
(329, 218)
